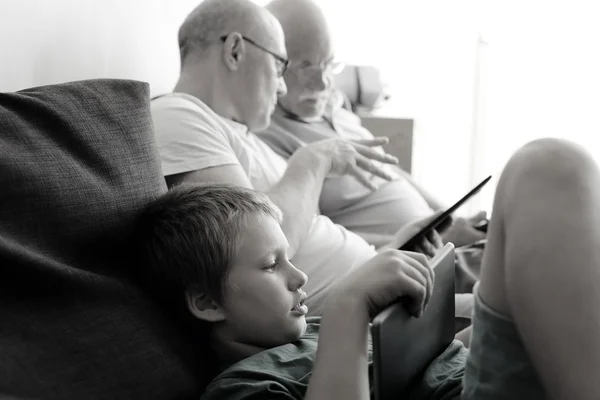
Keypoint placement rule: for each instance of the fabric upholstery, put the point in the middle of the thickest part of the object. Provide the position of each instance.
(77, 162)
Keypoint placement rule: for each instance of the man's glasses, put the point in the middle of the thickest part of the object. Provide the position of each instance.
(330, 67)
(280, 62)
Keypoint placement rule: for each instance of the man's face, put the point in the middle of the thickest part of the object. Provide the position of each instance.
(261, 79)
(309, 79)
(263, 303)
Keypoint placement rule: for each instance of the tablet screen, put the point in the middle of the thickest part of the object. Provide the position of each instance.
(442, 218)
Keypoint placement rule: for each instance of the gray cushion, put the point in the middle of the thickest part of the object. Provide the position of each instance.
(77, 162)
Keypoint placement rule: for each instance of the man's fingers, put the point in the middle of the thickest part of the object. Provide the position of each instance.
(480, 216)
(373, 154)
(376, 141)
(435, 239)
(425, 248)
(475, 234)
(419, 249)
(360, 176)
(371, 167)
(429, 248)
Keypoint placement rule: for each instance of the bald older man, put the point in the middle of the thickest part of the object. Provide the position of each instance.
(312, 110)
(233, 56)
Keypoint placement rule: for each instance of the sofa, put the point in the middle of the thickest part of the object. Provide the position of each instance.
(77, 163)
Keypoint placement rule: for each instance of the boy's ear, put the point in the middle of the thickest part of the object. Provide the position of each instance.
(203, 307)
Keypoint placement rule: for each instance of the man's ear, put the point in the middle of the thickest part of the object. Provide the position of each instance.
(234, 50)
(203, 307)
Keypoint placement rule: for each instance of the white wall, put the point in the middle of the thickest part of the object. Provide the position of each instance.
(45, 42)
(544, 76)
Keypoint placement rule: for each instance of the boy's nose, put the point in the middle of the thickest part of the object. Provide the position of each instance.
(297, 278)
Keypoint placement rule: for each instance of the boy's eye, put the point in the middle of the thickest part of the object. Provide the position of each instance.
(270, 267)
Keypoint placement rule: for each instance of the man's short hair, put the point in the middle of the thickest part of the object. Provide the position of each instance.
(211, 20)
(187, 238)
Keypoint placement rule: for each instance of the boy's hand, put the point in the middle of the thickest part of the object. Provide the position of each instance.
(384, 279)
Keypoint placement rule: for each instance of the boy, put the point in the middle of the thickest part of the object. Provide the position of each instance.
(224, 247)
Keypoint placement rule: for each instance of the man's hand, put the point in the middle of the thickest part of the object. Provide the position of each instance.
(462, 232)
(384, 279)
(353, 157)
(430, 244)
(477, 218)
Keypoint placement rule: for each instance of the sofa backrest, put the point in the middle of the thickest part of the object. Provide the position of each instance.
(77, 163)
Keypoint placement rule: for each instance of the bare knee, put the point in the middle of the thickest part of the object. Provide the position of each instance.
(546, 165)
(551, 155)
(544, 182)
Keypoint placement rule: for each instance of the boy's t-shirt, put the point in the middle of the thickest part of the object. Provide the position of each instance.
(284, 373)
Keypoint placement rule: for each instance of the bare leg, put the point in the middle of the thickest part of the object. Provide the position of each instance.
(542, 263)
(464, 336)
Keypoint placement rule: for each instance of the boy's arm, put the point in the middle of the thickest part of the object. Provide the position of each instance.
(341, 366)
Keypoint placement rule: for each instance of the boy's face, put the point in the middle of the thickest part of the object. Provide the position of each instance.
(263, 303)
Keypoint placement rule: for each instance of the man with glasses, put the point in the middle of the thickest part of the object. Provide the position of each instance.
(233, 57)
(312, 110)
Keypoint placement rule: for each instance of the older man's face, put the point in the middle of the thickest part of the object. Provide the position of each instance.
(309, 78)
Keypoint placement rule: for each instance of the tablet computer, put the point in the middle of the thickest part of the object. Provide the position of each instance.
(443, 218)
(404, 346)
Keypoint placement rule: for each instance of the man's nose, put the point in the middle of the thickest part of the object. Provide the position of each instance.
(281, 87)
(320, 80)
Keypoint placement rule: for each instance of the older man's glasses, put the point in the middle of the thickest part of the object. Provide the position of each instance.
(306, 69)
(280, 63)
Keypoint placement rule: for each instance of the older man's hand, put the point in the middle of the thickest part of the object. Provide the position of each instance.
(358, 158)
(462, 231)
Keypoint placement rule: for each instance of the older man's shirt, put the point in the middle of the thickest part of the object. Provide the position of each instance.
(190, 136)
(343, 198)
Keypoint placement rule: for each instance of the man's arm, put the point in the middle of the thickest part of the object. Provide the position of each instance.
(196, 147)
(296, 194)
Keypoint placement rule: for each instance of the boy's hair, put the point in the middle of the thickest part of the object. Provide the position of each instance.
(186, 239)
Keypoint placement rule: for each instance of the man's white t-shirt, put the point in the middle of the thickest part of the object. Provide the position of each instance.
(190, 136)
